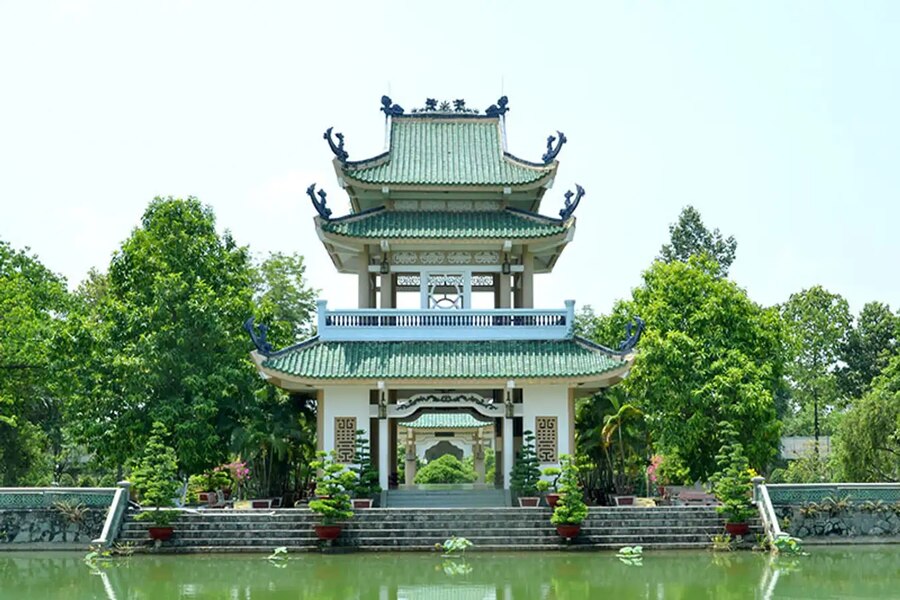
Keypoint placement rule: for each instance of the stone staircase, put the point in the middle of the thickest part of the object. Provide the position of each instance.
(421, 528)
(446, 498)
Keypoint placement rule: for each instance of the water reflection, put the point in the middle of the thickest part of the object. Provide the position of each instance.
(861, 572)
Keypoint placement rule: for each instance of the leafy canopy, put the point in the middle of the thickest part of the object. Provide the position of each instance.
(690, 237)
(445, 469)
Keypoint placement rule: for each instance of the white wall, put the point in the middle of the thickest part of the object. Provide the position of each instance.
(548, 401)
(345, 401)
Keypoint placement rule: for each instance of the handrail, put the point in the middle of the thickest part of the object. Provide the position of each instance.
(391, 324)
(44, 497)
(114, 515)
(766, 510)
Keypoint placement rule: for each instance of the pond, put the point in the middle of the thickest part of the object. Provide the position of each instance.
(832, 572)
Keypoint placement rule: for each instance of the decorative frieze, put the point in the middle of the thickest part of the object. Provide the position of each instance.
(407, 257)
(545, 439)
(345, 439)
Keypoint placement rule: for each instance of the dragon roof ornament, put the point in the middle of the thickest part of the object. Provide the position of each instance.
(319, 203)
(337, 149)
(259, 339)
(552, 151)
(570, 204)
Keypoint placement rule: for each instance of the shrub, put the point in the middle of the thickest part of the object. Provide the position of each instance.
(446, 469)
(154, 476)
(732, 484)
(571, 509)
(526, 471)
(332, 487)
(366, 485)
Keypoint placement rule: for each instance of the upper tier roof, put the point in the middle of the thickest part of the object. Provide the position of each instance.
(456, 151)
(496, 224)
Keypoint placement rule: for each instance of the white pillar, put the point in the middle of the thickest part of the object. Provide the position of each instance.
(383, 457)
(508, 457)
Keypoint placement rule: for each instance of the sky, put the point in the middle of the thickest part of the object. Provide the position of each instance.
(777, 120)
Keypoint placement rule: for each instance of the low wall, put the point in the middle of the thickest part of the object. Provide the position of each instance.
(838, 513)
(53, 518)
(48, 529)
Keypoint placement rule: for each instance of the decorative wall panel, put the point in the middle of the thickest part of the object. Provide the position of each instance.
(345, 439)
(545, 439)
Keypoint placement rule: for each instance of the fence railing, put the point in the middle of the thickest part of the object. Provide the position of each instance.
(115, 515)
(27, 498)
(392, 324)
(796, 493)
(767, 514)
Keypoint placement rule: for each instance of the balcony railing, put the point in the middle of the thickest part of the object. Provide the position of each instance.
(396, 325)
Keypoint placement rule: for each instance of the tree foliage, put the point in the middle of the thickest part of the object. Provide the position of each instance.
(690, 237)
(445, 469)
(868, 348)
(33, 306)
(154, 475)
(867, 444)
(163, 342)
(817, 323)
(708, 355)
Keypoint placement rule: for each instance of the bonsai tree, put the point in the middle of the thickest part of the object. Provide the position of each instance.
(571, 509)
(154, 478)
(445, 469)
(335, 480)
(366, 485)
(732, 484)
(526, 471)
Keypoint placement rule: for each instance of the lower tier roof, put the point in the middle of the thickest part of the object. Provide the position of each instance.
(521, 359)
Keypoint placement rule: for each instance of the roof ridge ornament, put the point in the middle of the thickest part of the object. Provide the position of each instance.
(571, 205)
(432, 105)
(551, 151)
(633, 332)
(259, 339)
(499, 109)
(338, 149)
(389, 108)
(319, 204)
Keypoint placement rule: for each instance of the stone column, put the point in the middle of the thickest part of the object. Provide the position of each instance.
(508, 455)
(383, 459)
(409, 468)
(478, 455)
(503, 294)
(387, 291)
(528, 280)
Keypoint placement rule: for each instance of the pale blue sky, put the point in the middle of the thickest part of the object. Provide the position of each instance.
(777, 120)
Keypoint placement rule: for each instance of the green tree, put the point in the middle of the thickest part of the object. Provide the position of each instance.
(690, 237)
(867, 444)
(868, 349)
(161, 340)
(445, 469)
(817, 324)
(526, 471)
(154, 475)
(284, 300)
(33, 306)
(708, 355)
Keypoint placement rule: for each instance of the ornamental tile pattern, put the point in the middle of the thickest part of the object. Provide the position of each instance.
(531, 359)
(345, 439)
(545, 439)
(496, 224)
(446, 152)
(46, 499)
(783, 494)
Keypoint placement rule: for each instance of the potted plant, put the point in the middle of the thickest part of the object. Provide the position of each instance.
(366, 486)
(154, 481)
(332, 502)
(570, 511)
(548, 487)
(732, 484)
(526, 473)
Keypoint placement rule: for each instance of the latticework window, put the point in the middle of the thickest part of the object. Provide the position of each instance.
(545, 439)
(345, 439)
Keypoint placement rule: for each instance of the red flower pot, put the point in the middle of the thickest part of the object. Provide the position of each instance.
(529, 502)
(327, 532)
(362, 503)
(162, 534)
(552, 499)
(568, 531)
(736, 529)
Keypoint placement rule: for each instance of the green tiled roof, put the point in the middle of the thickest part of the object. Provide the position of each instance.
(445, 152)
(501, 224)
(528, 359)
(446, 421)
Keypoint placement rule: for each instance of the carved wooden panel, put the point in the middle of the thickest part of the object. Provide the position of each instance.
(345, 439)
(545, 439)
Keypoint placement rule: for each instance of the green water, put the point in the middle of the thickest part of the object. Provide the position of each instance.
(857, 572)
